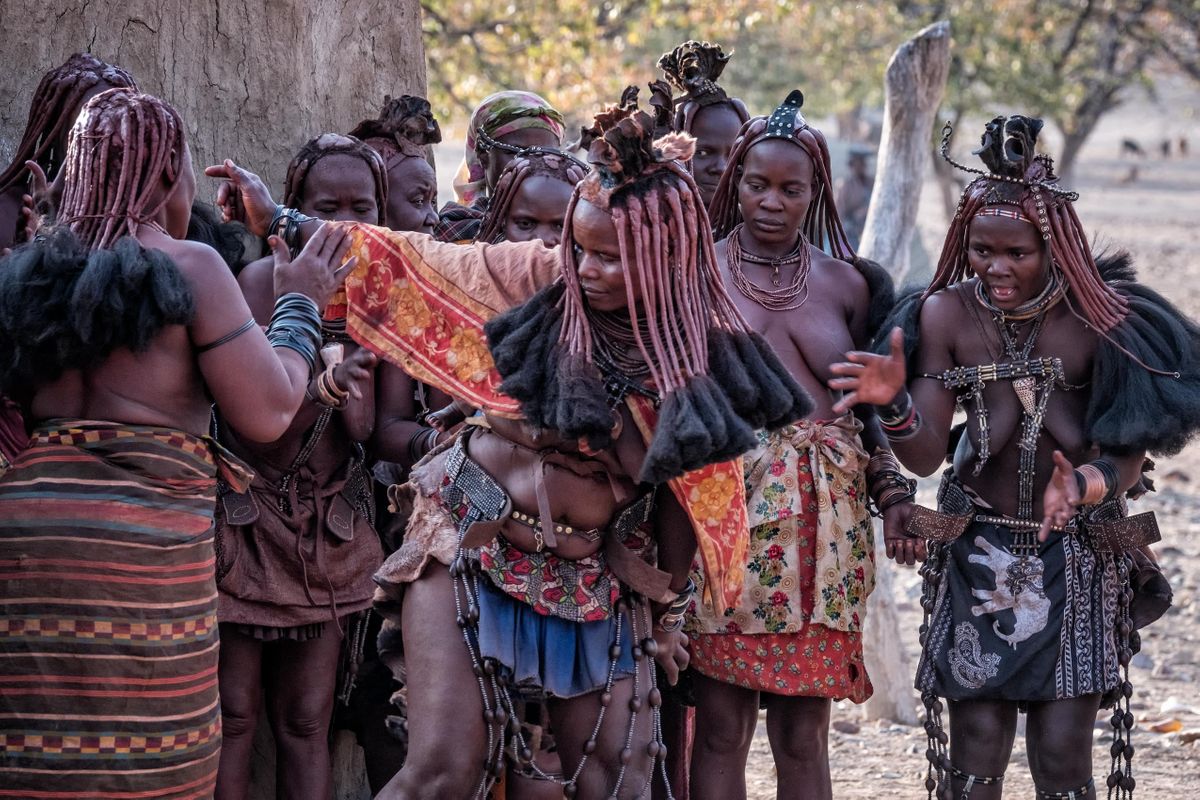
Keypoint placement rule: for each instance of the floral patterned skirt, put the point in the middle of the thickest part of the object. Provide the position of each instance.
(817, 662)
(797, 629)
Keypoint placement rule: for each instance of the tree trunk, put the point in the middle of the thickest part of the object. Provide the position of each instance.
(916, 78)
(252, 79)
(914, 83)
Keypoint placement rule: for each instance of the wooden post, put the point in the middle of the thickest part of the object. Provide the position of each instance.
(916, 77)
(914, 83)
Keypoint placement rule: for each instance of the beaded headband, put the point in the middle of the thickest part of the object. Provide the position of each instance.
(1011, 212)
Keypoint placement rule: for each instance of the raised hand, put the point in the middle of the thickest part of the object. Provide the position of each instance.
(243, 197)
(354, 373)
(315, 272)
(1061, 497)
(870, 378)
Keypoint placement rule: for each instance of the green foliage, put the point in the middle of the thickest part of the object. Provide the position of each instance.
(1066, 60)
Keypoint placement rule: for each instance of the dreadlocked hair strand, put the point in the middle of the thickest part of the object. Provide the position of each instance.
(123, 147)
(52, 112)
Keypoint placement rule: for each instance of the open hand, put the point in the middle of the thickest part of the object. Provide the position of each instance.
(318, 269)
(355, 371)
(243, 197)
(672, 653)
(870, 378)
(1061, 497)
(898, 545)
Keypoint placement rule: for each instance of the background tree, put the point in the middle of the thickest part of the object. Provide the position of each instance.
(252, 79)
(1069, 62)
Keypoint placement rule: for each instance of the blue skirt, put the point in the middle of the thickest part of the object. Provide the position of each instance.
(561, 658)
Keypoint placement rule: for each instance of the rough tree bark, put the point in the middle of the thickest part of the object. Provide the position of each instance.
(252, 79)
(914, 83)
(916, 77)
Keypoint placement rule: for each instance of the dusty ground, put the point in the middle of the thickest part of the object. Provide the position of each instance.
(1156, 217)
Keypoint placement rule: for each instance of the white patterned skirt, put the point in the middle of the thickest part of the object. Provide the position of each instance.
(1029, 629)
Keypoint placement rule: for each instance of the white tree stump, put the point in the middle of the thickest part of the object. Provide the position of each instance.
(915, 80)
(914, 83)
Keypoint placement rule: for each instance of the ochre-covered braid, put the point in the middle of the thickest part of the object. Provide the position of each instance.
(52, 111)
(122, 147)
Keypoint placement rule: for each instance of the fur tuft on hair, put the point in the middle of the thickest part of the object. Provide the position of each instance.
(881, 289)
(64, 308)
(905, 314)
(1116, 266)
(1131, 408)
(675, 147)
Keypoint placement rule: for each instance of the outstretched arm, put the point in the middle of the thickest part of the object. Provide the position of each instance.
(916, 412)
(1098, 480)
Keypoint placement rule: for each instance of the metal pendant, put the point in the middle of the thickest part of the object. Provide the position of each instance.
(1026, 389)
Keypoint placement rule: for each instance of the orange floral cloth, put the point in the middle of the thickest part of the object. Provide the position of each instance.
(421, 305)
(715, 499)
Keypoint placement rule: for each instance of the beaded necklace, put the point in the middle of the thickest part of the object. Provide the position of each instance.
(786, 298)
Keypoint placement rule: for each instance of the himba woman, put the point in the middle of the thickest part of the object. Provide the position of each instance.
(501, 126)
(793, 641)
(295, 553)
(521, 562)
(1059, 360)
(118, 336)
(531, 197)
(401, 134)
(704, 110)
(38, 158)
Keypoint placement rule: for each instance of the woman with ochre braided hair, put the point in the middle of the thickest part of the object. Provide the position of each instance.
(1069, 372)
(617, 363)
(793, 641)
(295, 553)
(118, 337)
(38, 159)
(704, 110)
(531, 197)
(503, 125)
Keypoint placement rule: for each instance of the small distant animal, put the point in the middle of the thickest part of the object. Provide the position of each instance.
(1131, 176)
(1130, 147)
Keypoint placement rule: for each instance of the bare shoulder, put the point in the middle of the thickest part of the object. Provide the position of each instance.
(840, 279)
(258, 275)
(943, 310)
